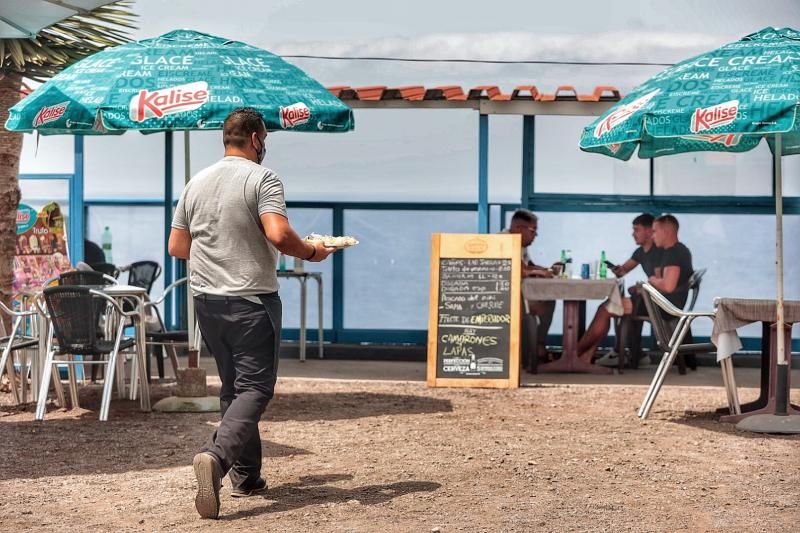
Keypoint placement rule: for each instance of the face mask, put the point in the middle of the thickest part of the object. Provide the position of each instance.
(261, 152)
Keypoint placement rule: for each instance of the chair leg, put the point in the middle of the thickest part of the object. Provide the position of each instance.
(73, 383)
(60, 398)
(681, 364)
(159, 355)
(110, 372)
(7, 362)
(132, 393)
(108, 385)
(45, 385)
(173, 357)
(23, 378)
(663, 368)
(119, 375)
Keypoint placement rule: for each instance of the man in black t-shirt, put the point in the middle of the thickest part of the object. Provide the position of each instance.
(675, 266)
(649, 257)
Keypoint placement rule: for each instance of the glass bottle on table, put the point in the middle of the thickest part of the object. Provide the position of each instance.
(602, 269)
(568, 265)
(562, 263)
(106, 240)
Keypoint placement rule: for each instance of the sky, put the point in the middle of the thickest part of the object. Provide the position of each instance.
(432, 155)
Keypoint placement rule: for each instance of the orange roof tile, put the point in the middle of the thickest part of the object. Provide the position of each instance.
(416, 93)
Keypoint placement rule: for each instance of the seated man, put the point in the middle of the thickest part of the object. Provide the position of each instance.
(646, 255)
(672, 278)
(526, 224)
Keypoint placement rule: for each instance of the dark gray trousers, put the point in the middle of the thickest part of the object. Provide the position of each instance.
(244, 338)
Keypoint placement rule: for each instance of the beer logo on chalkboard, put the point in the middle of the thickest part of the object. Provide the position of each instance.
(476, 246)
(49, 114)
(161, 102)
(294, 115)
(715, 116)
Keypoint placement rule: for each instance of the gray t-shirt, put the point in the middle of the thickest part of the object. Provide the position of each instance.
(230, 254)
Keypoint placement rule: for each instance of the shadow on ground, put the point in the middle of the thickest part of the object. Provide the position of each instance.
(709, 421)
(312, 490)
(133, 440)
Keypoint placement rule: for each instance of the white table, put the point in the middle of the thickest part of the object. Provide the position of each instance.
(131, 293)
(303, 277)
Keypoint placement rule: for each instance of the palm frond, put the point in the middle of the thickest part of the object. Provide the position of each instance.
(62, 44)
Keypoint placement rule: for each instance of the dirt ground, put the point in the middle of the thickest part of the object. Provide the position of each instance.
(397, 456)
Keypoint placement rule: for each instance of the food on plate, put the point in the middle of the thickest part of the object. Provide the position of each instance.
(331, 241)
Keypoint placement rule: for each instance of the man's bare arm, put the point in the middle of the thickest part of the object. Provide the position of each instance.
(669, 282)
(285, 239)
(180, 243)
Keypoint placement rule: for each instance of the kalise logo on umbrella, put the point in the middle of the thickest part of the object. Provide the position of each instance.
(149, 104)
(623, 113)
(714, 116)
(49, 114)
(294, 115)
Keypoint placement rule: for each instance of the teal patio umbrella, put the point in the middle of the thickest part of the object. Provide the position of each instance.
(182, 80)
(726, 100)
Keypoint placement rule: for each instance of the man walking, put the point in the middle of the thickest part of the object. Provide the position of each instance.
(231, 222)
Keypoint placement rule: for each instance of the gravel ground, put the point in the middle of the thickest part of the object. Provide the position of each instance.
(398, 456)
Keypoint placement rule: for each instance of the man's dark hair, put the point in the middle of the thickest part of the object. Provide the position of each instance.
(239, 126)
(669, 219)
(526, 215)
(645, 219)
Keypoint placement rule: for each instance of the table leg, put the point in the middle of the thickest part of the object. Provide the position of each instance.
(769, 406)
(320, 310)
(569, 361)
(302, 319)
(141, 355)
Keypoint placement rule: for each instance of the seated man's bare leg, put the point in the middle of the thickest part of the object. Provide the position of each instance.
(597, 331)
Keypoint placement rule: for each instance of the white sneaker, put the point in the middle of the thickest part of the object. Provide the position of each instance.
(609, 359)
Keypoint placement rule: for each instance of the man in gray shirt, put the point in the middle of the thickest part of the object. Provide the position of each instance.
(231, 223)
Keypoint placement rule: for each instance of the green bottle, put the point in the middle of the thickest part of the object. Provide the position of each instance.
(602, 269)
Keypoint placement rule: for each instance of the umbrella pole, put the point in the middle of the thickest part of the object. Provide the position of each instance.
(187, 175)
(781, 421)
(782, 389)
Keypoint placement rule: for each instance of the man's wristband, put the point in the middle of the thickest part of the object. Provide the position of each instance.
(313, 253)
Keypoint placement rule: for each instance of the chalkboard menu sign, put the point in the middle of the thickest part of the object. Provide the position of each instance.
(473, 333)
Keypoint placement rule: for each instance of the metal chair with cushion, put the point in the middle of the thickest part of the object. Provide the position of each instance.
(670, 328)
(74, 317)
